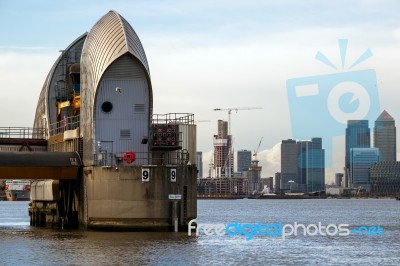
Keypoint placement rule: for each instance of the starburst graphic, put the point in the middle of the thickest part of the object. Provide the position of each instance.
(343, 51)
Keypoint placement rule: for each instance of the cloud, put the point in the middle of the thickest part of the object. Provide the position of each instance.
(23, 75)
(8, 48)
(270, 160)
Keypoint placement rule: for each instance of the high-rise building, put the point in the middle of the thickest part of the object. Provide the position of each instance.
(254, 177)
(277, 182)
(361, 160)
(199, 164)
(385, 178)
(223, 155)
(243, 160)
(311, 165)
(288, 163)
(357, 136)
(385, 137)
(302, 165)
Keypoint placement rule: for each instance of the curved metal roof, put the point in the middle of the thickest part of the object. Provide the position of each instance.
(109, 39)
(41, 105)
(43, 101)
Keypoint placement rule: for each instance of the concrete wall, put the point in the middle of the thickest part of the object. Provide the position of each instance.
(119, 198)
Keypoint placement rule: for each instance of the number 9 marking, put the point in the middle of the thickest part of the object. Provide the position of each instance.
(173, 175)
(145, 175)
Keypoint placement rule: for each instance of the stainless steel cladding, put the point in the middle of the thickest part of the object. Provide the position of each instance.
(116, 93)
(188, 139)
(122, 118)
(55, 84)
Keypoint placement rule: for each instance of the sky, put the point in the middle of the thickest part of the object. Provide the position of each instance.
(211, 54)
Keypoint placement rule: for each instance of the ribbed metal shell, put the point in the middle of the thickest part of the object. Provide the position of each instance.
(41, 106)
(109, 39)
(47, 98)
(127, 123)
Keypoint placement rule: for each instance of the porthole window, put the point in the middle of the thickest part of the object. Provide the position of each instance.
(106, 107)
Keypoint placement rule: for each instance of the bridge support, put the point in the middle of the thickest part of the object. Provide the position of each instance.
(121, 199)
(118, 199)
(55, 204)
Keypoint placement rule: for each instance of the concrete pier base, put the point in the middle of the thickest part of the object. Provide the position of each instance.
(43, 214)
(118, 199)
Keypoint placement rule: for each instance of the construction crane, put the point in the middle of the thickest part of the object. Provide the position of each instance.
(234, 109)
(227, 164)
(256, 150)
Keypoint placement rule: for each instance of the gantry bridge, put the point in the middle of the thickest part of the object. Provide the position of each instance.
(23, 155)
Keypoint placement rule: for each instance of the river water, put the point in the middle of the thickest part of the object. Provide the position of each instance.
(21, 244)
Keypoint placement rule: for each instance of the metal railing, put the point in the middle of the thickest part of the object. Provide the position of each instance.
(109, 159)
(173, 118)
(22, 133)
(67, 123)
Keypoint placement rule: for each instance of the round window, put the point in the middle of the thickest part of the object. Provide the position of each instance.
(106, 107)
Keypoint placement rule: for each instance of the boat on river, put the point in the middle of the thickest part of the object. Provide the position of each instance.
(17, 190)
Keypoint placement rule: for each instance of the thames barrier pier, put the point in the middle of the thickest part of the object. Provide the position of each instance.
(109, 162)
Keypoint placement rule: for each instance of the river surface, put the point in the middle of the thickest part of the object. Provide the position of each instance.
(21, 244)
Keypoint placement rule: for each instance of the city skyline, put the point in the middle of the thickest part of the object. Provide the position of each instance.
(278, 41)
(359, 128)
(358, 141)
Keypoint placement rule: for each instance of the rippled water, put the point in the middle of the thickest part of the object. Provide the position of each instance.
(21, 244)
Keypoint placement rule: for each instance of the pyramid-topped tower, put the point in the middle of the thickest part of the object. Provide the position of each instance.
(385, 137)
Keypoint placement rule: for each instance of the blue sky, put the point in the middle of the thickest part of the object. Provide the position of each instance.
(210, 54)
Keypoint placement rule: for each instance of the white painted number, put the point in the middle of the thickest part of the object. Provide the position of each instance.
(173, 175)
(145, 175)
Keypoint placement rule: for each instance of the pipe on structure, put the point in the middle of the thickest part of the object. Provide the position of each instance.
(40, 165)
